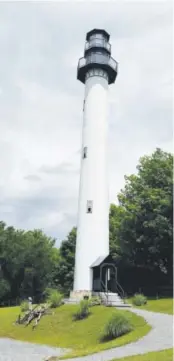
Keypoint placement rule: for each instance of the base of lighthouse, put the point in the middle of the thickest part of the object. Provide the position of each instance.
(103, 274)
(80, 295)
(104, 285)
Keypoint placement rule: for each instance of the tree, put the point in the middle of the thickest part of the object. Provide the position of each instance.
(27, 261)
(145, 231)
(116, 215)
(40, 259)
(65, 268)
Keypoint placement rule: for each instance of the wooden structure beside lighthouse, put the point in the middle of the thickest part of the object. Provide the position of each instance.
(94, 268)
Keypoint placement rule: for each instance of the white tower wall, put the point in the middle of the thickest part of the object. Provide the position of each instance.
(93, 228)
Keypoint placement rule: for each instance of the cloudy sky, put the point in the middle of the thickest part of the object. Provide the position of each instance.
(41, 102)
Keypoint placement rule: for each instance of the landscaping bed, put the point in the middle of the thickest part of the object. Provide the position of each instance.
(60, 330)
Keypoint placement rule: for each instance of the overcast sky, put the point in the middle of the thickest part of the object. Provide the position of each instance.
(41, 102)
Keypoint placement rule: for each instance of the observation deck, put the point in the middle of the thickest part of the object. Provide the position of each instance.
(97, 55)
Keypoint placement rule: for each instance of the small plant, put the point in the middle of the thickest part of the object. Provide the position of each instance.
(94, 301)
(55, 298)
(118, 325)
(139, 299)
(24, 306)
(82, 310)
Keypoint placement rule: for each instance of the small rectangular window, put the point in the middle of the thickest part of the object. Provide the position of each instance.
(89, 206)
(85, 152)
(83, 105)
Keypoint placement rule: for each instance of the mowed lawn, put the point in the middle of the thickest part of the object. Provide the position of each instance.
(59, 329)
(163, 305)
(166, 355)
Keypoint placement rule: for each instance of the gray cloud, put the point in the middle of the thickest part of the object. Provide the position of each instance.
(50, 209)
(59, 169)
(32, 178)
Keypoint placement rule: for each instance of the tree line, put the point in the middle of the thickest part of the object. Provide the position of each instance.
(140, 232)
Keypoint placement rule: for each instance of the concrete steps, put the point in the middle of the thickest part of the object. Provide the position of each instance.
(112, 299)
(109, 299)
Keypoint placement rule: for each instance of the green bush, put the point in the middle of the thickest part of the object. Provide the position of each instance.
(82, 310)
(94, 301)
(54, 298)
(24, 306)
(139, 299)
(118, 325)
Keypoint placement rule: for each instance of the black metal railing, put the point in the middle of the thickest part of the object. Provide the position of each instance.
(120, 290)
(98, 59)
(105, 291)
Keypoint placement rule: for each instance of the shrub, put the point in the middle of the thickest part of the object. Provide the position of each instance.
(94, 301)
(82, 310)
(55, 298)
(47, 292)
(24, 306)
(118, 325)
(139, 299)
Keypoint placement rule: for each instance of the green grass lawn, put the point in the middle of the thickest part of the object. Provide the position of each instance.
(163, 305)
(82, 337)
(166, 355)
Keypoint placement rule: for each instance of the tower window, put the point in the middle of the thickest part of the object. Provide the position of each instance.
(85, 152)
(89, 206)
(84, 105)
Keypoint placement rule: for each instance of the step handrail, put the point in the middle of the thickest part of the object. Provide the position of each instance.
(120, 290)
(105, 292)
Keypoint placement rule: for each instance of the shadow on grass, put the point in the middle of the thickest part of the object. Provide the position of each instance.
(78, 317)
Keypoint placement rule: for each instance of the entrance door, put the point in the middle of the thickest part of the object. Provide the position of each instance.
(108, 277)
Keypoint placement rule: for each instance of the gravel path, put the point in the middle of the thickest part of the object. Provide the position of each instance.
(159, 338)
(11, 350)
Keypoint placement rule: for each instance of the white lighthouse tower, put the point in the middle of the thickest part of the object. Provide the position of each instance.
(97, 69)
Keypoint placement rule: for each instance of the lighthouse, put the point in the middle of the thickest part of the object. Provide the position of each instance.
(93, 264)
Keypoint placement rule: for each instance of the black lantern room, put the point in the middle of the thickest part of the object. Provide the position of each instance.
(97, 55)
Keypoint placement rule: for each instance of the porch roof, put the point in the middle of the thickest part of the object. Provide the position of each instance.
(98, 261)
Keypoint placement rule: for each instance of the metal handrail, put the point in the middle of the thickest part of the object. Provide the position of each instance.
(122, 295)
(105, 292)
